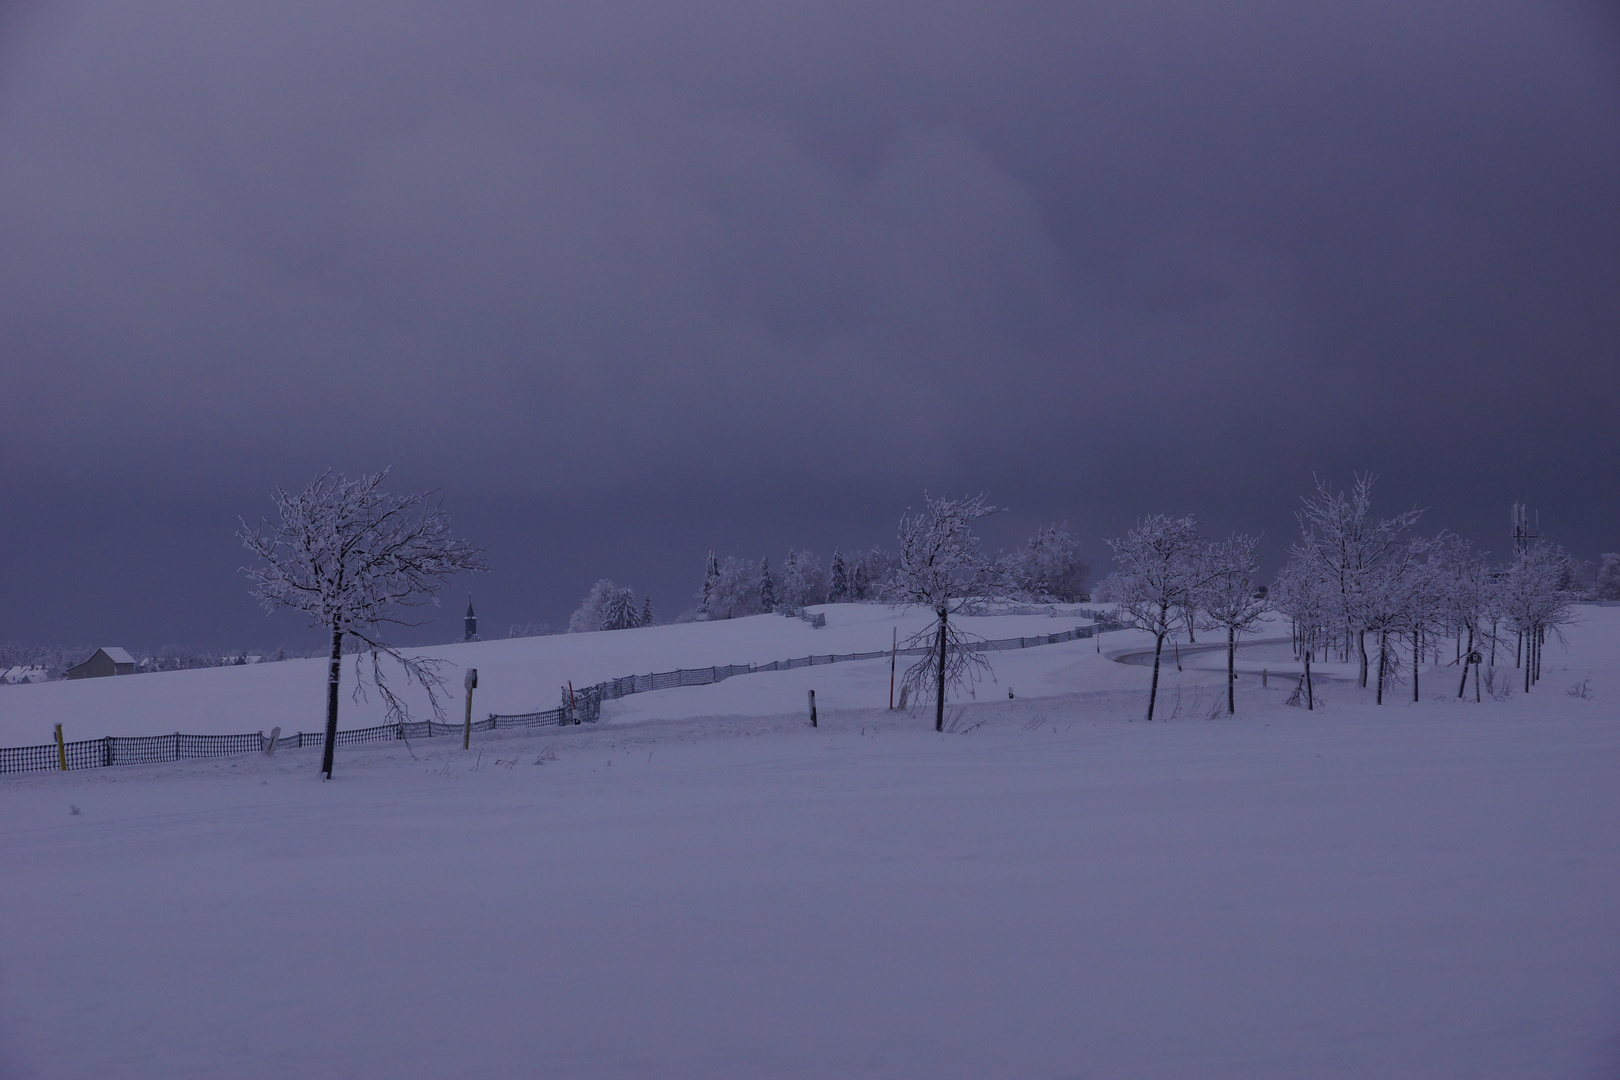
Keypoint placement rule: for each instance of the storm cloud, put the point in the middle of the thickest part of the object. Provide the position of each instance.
(627, 282)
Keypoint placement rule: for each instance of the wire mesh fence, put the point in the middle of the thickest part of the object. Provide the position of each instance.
(579, 705)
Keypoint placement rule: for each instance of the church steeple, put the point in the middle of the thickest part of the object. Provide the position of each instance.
(470, 623)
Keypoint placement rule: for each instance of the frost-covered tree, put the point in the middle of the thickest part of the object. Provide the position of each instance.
(1608, 577)
(1348, 546)
(711, 580)
(942, 565)
(1311, 602)
(803, 580)
(621, 612)
(767, 587)
(1403, 595)
(1160, 564)
(609, 606)
(1049, 566)
(838, 579)
(1231, 597)
(646, 611)
(1466, 604)
(1536, 600)
(354, 558)
(735, 591)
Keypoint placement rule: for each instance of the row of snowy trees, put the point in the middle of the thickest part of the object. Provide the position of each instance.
(1048, 567)
(1169, 577)
(1367, 588)
(734, 587)
(1371, 590)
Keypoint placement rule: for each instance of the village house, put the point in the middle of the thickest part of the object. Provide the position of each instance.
(108, 661)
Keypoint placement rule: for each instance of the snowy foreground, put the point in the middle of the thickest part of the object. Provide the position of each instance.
(703, 886)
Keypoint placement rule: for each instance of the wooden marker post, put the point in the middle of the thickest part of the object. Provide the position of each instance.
(894, 653)
(470, 682)
(812, 708)
(61, 748)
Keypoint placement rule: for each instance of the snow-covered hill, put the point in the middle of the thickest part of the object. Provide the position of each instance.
(515, 675)
(703, 886)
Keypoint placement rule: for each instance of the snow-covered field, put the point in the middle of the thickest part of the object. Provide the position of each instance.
(514, 675)
(703, 886)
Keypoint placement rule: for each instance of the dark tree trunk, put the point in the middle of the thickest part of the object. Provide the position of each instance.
(1383, 657)
(332, 701)
(939, 705)
(1310, 691)
(1153, 690)
(1464, 686)
(1417, 648)
(1231, 671)
(1361, 646)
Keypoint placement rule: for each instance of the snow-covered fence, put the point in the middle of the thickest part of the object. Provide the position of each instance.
(625, 685)
(816, 619)
(579, 705)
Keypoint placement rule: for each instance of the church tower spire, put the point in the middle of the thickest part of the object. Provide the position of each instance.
(470, 623)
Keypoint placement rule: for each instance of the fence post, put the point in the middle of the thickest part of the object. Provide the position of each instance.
(106, 750)
(177, 746)
(61, 748)
(812, 712)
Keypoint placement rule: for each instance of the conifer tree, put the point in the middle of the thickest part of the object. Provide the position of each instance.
(838, 583)
(711, 580)
(767, 587)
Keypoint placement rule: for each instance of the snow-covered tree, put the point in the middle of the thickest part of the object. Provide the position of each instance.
(711, 579)
(1231, 597)
(838, 578)
(1049, 566)
(1348, 545)
(941, 565)
(803, 581)
(1310, 601)
(354, 558)
(767, 587)
(1466, 604)
(1403, 595)
(1536, 600)
(646, 611)
(606, 607)
(1160, 565)
(1608, 577)
(735, 591)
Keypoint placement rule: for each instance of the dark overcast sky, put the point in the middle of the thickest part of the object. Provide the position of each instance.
(628, 281)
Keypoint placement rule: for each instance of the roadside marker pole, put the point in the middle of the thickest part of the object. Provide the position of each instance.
(470, 681)
(812, 708)
(894, 651)
(61, 748)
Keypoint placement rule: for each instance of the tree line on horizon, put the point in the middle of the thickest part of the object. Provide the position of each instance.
(1048, 568)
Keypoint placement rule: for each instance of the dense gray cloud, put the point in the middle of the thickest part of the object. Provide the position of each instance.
(628, 281)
